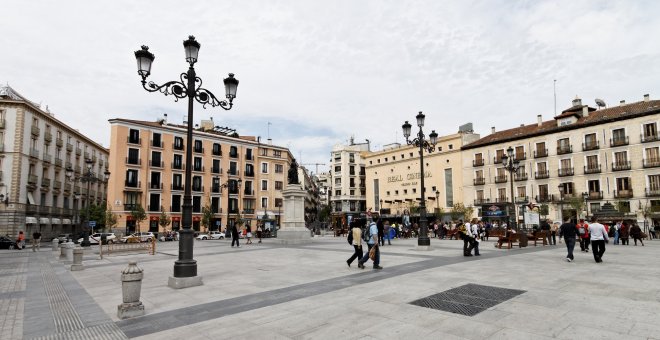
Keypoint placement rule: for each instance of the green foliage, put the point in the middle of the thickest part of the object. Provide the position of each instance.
(207, 216)
(544, 209)
(577, 203)
(622, 206)
(110, 218)
(164, 220)
(95, 213)
(324, 215)
(460, 211)
(138, 214)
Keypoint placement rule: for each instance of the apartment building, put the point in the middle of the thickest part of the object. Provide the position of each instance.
(232, 175)
(35, 150)
(393, 176)
(597, 155)
(347, 181)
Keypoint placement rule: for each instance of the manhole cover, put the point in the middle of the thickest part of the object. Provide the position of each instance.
(469, 299)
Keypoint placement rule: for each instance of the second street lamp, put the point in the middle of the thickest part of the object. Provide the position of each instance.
(189, 86)
(511, 165)
(428, 145)
(88, 177)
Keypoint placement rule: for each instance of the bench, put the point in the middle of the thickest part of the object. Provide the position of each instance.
(496, 232)
(538, 236)
(508, 240)
(452, 233)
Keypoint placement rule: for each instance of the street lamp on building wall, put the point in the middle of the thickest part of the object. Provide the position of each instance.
(511, 165)
(428, 145)
(585, 196)
(561, 202)
(88, 177)
(437, 203)
(189, 86)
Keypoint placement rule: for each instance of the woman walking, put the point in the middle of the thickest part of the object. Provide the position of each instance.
(248, 234)
(21, 240)
(624, 233)
(356, 233)
(636, 233)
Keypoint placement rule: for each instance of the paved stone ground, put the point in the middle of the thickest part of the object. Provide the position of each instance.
(266, 291)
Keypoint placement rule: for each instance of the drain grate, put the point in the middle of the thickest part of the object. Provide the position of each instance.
(470, 299)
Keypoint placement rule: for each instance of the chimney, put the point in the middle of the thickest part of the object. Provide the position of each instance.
(577, 101)
(622, 103)
(647, 98)
(521, 125)
(492, 129)
(585, 111)
(270, 141)
(165, 118)
(539, 120)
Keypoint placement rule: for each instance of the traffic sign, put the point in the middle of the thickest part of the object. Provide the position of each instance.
(92, 224)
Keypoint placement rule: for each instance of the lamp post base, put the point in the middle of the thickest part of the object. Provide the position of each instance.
(424, 242)
(184, 282)
(423, 248)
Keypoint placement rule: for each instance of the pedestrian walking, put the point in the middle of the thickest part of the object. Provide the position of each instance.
(568, 231)
(381, 232)
(259, 232)
(356, 234)
(248, 234)
(234, 236)
(583, 232)
(598, 236)
(372, 243)
(474, 231)
(36, 241)
(387, 231)
(545, 226)
(624, 233)
(20, 240)
(636, 233)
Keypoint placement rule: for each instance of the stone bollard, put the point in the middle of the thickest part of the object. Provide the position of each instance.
(77, 259)
(55, 244)
(63, 252)
(69, 250)
(131, 285)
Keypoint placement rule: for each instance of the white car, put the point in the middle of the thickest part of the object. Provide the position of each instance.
(139, 237)
(96, 238)
(213, 235)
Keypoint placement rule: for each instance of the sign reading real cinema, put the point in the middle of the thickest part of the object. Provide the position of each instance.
(409, 177)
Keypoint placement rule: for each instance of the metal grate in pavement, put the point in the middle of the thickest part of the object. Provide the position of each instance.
(470, 299)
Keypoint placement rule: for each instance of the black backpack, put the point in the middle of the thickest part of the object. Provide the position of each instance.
(350, 237)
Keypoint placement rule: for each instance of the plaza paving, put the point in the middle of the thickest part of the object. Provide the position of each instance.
(266, 291)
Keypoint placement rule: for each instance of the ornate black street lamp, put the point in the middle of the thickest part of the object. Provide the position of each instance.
(511, 165)
(585, 197)
(189, 86)
(561, 202)
(88, 177)
(428, 145)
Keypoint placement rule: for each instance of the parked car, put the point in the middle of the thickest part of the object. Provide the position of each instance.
(96, 238)
(138, 237)
(168, 236)
(217, 235)
(63, 237)
(7, 243)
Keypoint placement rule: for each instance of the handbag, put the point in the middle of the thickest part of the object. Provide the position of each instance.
(372, 253)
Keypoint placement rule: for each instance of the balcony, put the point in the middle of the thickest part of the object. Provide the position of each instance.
(67, 187)
(76, 190)
(500, 179)
(497, 160)
(522, 199)
(249, 173)
(651, 163)
(57, 185)
(155, 186)
(47, 158)
(2, 123)
(157, 164)
(520, 156)
(216, 170)
(623, 193)
(565, 172)
(249, 157)
(87, 155)
(78, 151)
(248, 211)
(45, 182)
(233, 172)
(32, 179)
(592, 169)
(198, 150)
(69, 147)
(198, 168)
(198, 188)
(176, 187)
(620, 141)
(620, 166)
(248, 192)
(132, 184)
(481, 201)
(157, 144)
(520, 177)
(595, 195)
(564, 149)
(479, 181)
(58, 162)
(541, 174)
(133, 140)
(35, 131)
(591, 145)
(48, 137)
(545, 198)
(233, 154)
(652, 192)
(34, 153)
(645, 138)
(59, 142)
(478, 162)
(541, 153)
(68, 164)
(133, 161)
(178, 166)
(502, 200)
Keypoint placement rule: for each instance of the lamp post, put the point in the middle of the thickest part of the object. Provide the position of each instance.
(189, 86)
(423, 144)
(511, 165)
(561, 202)
(437, 203)
(380, 207)
(88, 177)
(585, 196)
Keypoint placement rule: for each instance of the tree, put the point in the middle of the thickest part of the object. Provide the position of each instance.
(164, 220)
(577, 203)
(207, 217)
(324, 215)
(460, 211)
(544, 210)
(94, 213)
(138, 214)
(110, 219)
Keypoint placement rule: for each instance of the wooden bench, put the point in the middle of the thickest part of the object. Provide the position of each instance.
(508, 240)
(496, 232)
(452, 234)
(538, 236)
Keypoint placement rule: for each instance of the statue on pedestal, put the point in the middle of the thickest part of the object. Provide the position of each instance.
(293, 172)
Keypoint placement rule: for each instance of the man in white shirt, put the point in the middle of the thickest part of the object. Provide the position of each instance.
(474, 230)
(598, 237)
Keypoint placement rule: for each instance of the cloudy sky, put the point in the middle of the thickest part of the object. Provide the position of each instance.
(323, 71)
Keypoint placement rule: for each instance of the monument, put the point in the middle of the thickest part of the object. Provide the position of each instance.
(293, 230)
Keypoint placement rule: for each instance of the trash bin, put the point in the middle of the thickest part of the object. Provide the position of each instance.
(523, 238)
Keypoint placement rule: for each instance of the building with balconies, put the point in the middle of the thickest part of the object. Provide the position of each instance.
(595, 155)
(233, 175)
(347, 191)
(32, 169)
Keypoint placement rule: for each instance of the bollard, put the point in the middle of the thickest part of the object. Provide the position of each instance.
(68, 247)
(77, 259)
(131, 285)
(55, 244)
(63, 252)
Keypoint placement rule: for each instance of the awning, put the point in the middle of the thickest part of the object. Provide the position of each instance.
(66, 221)
(30, 198)
(56, 221)
(44, 220)
(31, 220)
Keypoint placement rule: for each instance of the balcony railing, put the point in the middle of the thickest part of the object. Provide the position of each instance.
(58, 162)
(132, 184)
(136, 141)
(249, 157)
(69, 147)
(620, 141)
(592, 169)
(249, 174)
(520, 177)
(478, 162)
(59, 142)
(595, 195)
(198, 150)
(233, 172)
(177, 147)
(78, 151)
(45, 182)
(133, 161)
(565, 172)
(652, 192)
(502, 200)
(198, 168)
(620, 166)
(179, 166)
(541, 153)
(34, 153)
(47, 158)
(48, 137)
(233, 154)
(198, 188)
(651, 162)
(479, 181)
(216, 152)
(594, 145)
(216, 170)
(497, 160)
(541, 174)
(248, 192)
(57, 184)
(522, 199)
(157, 164)
(564, 149)
(176, 187)
(623, 193)
(500, 179)
(545, 198)
(155, 207)
(32, 179)
(480, 201)
(155, 185)
(157, 144)
(645, 138)
(35, 130)
(520, 156)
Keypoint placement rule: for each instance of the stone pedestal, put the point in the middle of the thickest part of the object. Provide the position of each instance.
(77, 259)
(293, 230)
(184, 282)
(69, 251)
(131, 286)
(55, 244)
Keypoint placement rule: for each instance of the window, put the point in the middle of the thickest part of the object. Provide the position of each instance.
(623, 183)
(215, 205)
(233, 168)
(451, 146)
(337, 168)
(351, 182)
(198, 146)
(197, 164)
(654, 183)
(248, 154)
(620, 158)
(154, 202)
(217, 151)
(565, 164)
(521, 192)
(590, 141)
(618, 136)
(277, 153)
(155, 159)
(519, 153)
(178, 143)
(264, 202)
(263, 152)
(501, 195)
(264, 168)
(652, 155)
(279, 168)
(133, 156)
(592, 162)
(177, 183)
(351, 170)
(131, 178)
(264, 184)
(543, 191)
(278, 202)
(233, 151)
(178, 162)
(479, 174)
(133, 137)
(563, 145)
(197, 183)
(197, 204)
(478, 159)
(154, 182)
(650, 132)
(337, 192)
(216, 166)
(542, 167)
(337, 181)
(157, 141)
(279, 185)
(594, 186)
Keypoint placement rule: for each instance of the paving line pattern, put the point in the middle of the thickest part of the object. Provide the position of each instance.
(100, 332)
(65, 316)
